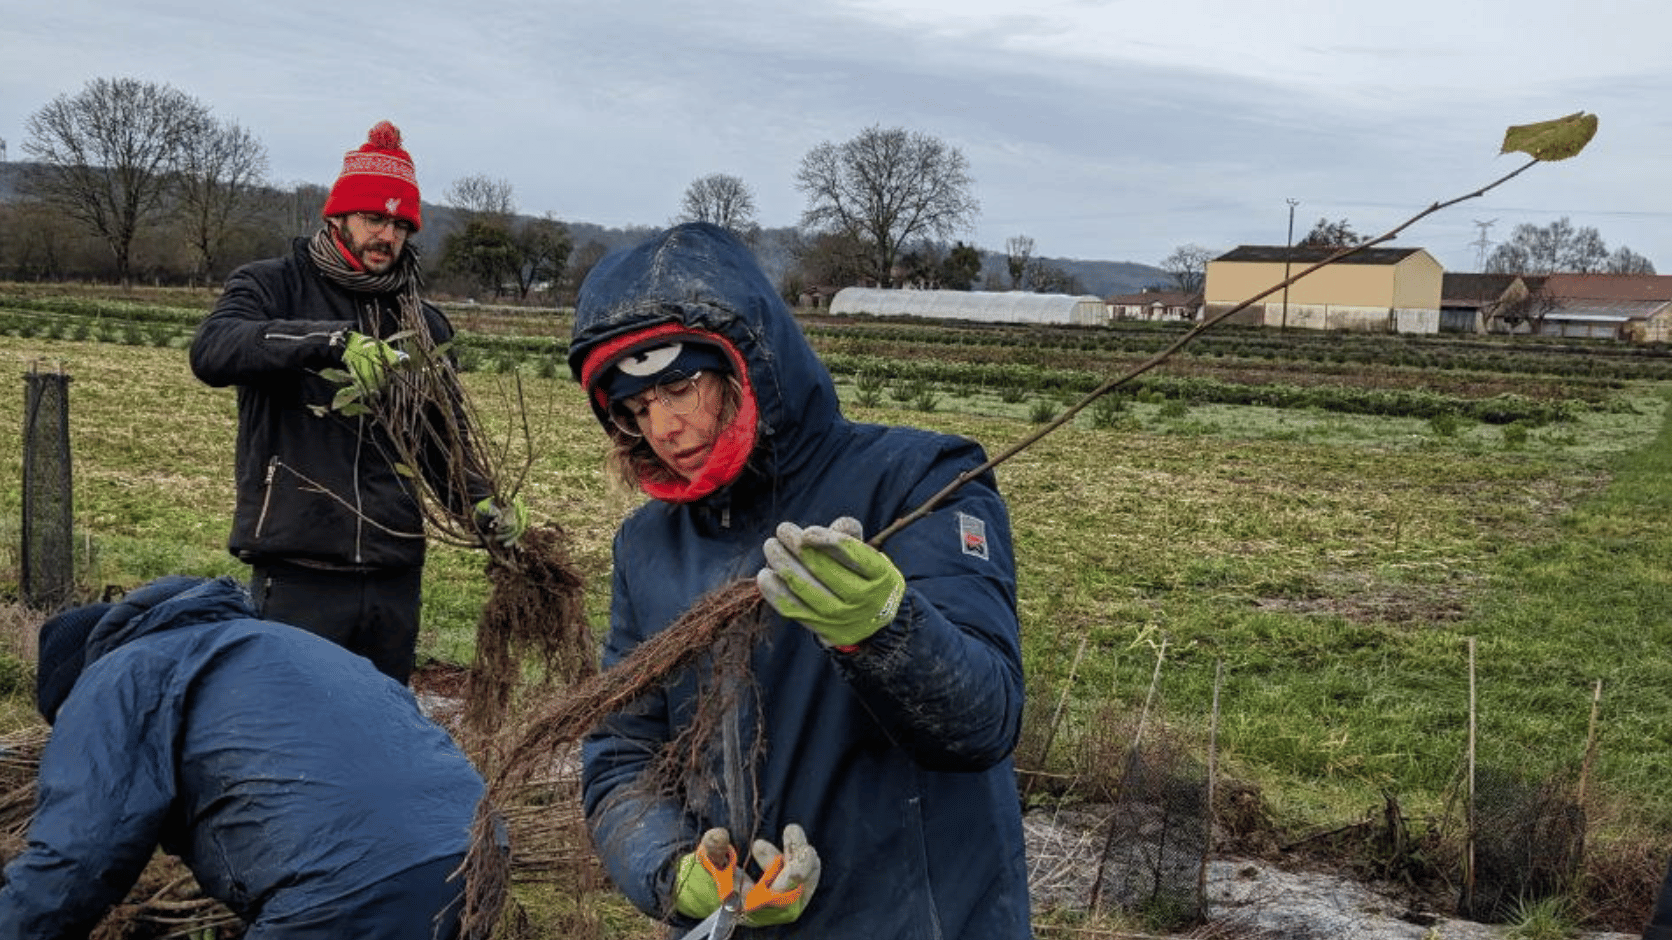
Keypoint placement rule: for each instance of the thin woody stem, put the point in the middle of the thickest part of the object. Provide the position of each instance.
(929, 504)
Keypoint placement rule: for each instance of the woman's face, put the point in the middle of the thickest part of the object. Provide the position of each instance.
(680, 420)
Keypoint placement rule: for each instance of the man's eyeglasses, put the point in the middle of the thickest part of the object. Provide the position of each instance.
(377, 222)
(679, 394)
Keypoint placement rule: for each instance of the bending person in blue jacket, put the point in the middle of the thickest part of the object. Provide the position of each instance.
(303, 788)
(888, 691)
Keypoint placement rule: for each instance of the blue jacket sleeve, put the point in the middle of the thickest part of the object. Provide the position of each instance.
(945, 677)
(107, 781)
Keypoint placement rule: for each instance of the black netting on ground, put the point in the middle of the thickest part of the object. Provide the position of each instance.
(48, 562)
(1158, 840)
(1529, 840)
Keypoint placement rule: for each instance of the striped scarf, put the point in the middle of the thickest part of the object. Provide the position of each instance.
(405, 278)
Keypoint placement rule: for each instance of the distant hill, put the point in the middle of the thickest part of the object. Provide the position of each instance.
(10, 173)
(1102, 278)
(773, 249)
(1105, 278)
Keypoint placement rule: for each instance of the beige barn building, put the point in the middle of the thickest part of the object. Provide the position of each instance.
(1382, 290)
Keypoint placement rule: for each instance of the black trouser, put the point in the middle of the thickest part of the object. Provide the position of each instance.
(1660, 923)
(373, 613)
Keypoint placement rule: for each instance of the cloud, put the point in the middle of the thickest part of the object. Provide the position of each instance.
(1101, 130)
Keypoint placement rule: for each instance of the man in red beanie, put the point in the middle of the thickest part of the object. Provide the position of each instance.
(331, 528)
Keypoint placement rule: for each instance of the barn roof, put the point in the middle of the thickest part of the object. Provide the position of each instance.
(1312, 254)
(1466, 289)
(1640, 287)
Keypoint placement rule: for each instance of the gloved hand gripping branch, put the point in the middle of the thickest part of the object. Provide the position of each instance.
(503, 521)
(829, 580)
(369, 361)
(695, 893)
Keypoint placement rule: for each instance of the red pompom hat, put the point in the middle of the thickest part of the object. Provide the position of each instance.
(378, 177)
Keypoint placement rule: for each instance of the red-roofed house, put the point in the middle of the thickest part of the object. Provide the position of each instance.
(1636, 307)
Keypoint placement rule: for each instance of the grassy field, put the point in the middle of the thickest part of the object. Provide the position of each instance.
(1336, 568)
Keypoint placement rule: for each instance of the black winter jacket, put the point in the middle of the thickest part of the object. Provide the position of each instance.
(314, 486)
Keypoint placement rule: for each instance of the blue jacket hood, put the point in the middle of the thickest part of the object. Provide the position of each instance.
(701, 277)
(286, 772)
(165, 604)
(895, 756)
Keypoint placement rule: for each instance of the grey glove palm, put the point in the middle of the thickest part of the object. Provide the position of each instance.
(801, 867)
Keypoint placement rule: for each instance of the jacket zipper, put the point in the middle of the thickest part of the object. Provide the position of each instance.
(335, 337)
(266, 494)
(359, 497)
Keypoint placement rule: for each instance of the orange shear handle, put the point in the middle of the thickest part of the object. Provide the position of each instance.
(725, 876)
(761, 894)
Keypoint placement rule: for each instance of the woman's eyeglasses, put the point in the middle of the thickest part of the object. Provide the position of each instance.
(679, 394)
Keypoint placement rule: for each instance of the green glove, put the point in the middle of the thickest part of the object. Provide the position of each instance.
(801, 867)
(504, 523)
(369, 360)
(830, 581)
(694, 892)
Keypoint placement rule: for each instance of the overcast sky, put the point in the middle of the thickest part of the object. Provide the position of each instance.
(1101, 129)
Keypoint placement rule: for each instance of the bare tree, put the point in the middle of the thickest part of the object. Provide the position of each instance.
(827, 259)
(961, 268)
(37, 243)
(1045, 278)
(1018, 257)
(109, 152)
(482, 199)
(484, 253)
(221, 165)
(1550, 249)
(886, 188)
(1626, 261)
(1188, 267)
(1586, 254)
(543, 247)
(584, 259)
(723, 200)
(294, 210)
(1327, 234)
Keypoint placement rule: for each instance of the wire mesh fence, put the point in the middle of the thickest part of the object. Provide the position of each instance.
(48, 558)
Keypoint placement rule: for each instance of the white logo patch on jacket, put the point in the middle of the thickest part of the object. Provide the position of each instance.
(972, 535)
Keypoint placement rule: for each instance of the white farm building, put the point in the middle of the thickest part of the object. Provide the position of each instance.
(984, 306)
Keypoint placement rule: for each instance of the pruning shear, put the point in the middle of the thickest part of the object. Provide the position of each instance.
(735, 903)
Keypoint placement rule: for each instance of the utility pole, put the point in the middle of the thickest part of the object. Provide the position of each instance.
(1481, 244)
(1288, 253)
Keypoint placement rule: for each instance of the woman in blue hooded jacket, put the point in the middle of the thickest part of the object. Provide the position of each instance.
(888, 689)
(303, 788)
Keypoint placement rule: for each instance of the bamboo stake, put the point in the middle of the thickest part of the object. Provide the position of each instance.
(1469, 798)
(1056, 717)
(1590, 743)
(1213, 775)
(1131, 763)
